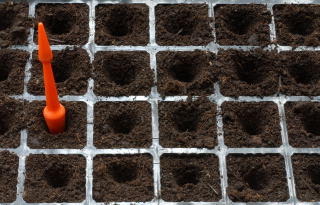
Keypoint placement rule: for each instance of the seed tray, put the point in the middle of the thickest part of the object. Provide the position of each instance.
(220, 156)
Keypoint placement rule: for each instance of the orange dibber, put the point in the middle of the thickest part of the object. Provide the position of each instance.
(54, 113)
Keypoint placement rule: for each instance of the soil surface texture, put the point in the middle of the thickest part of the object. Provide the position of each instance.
(11, 122)
(122, 125)
(55, 178)
(122, 74)
(123, 178)
(65, 23)
(8, 179)
(307, 176)
(303, 120)
(297, 25)
(186, 73)
(251, 124)
(188, 124)
(248, 73)
(12, 64)
(14, 23)
(122, 24)
(74, 135)
(71, 69)
(190, 177)
(183, 24)
(242, 24)
(300, 73)
(256, 178)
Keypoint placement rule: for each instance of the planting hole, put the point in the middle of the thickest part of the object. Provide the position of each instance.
(186, 119)
(60, 23)
(251, 122)
(187, 175)
(248, 70)
(184, 72)
(6, 20)
(182, 23)
(120, 71)
(239, 22)
(61, 69)
(301, 24)
(4, 123)
(4, 71)
(311, 122)
(57, 176)
(123, 123)
(123, 172)
(305, 73)
(119, 22)
(314, 173)
(257, 179)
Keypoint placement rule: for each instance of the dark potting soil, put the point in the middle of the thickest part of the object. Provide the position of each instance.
(71, 69)
(188, 124)
(306, 176)
(186, 73)
(8, 179)
(297, 25)
(14, 23)
(64, 23)
(242, 24)
(55, 178)
(251, 124)
(12, 64)
(123, 178)
(303, 120)
(76, 127)
(122, 73)
(11, 122)
(190, 177)
(122, 24)
(122, 125)
(248, 73)
(300, 73)
(256, 178)
(183, 24)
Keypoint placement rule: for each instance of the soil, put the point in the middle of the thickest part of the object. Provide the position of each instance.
(190, 177)
(122, 24)
(122, 73)
(303, 120)
(242, 24)
(248, 73)
(12, 64)
(251, 124)
(297, 25)
(256, 178)
(14, 23)
(71, 69)
(11, 122)
(8, 179)
(186, 73)
(55, 178)
(300, 73)
(183, 24)
(188, 124)
(123, 178)
(306, 176)
(76, 127)
(122, 125)
(65, 23)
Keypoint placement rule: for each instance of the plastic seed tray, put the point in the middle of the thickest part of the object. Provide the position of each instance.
(162, 152)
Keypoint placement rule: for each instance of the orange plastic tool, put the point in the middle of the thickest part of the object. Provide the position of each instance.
(54, 113)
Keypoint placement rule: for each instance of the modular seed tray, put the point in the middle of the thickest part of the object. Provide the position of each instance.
(135, 140)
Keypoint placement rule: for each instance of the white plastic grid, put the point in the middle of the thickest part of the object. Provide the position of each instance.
(89, 151)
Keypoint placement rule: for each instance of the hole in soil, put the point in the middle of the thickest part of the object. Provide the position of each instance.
(4, 123)
(59, 23)
(251, 122)
(305, 73)
(186, 118)
(257, 178)
(57, 176)
(248, 70)
(240, 22)
(184, 72)
(123, 123)
(301, 24)
(182, 23)
(120, 71)
(123, 172)
(311, 122)
(4, 71)
(5, 20)
(61, 68)
(187, 175)
(314, 173)
(119, 23)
